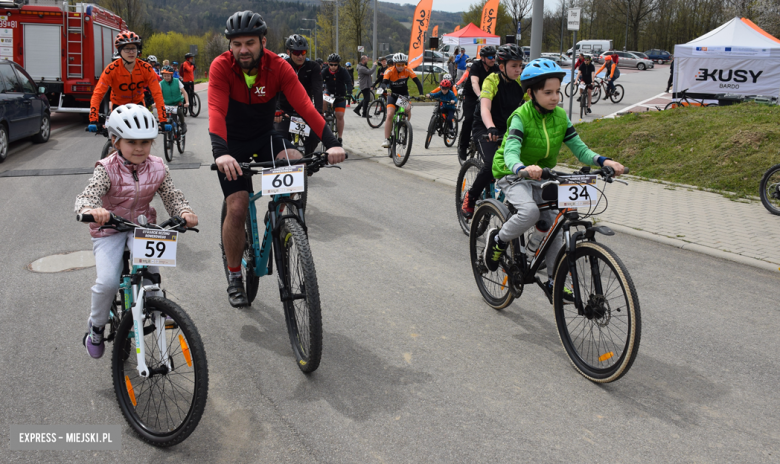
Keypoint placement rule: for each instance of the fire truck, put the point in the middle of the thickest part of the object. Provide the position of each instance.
(63, 47)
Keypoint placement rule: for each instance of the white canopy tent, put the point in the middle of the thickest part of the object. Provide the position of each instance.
(737, 58)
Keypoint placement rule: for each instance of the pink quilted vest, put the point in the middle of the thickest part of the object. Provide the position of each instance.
(132, 189)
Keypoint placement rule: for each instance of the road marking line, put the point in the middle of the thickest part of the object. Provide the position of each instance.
(633, 106)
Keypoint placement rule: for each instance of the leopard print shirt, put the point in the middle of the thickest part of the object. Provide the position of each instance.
(100, 183)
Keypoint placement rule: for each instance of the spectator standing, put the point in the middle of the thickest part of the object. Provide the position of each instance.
(460, 60)
(364, 81)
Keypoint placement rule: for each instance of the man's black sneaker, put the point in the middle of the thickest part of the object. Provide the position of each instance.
(357, 111)
(236, 292)
(491, 255)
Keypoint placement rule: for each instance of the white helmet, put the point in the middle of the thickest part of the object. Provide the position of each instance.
(400, 58)
(446, 76)
(284, 56)
(468, 65)
(133, 122)
(151, 59)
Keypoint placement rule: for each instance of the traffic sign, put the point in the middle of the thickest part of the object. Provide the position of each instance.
(574, 19)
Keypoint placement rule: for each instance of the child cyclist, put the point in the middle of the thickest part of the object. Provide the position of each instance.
(124, 183)
(449, 101)
(174, 94)
(534, 137)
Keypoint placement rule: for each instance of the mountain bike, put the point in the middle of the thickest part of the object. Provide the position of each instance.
(175, 135)
(461, 113)
(600, 329)
(469, 169)
(194, 108)
(330, 114)
(600, 86)
(376, 112)
(286, 240)
(438, 125)
(158, 363)
(471, 152)
(401, 134)
(769, 190)
(685, 101)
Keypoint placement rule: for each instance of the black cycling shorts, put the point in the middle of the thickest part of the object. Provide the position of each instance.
(264, 146)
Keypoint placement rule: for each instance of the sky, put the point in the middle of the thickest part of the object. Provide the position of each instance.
(449, 5)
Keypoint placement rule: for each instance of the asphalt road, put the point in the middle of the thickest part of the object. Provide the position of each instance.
(416, 368)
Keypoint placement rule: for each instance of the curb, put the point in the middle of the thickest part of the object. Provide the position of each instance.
(757, 263)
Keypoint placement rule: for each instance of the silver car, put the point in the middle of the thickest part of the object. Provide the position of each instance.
(562, 60)
(628, 60)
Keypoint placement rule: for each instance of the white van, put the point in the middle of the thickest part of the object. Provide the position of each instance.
(591, 47)
(448, 49)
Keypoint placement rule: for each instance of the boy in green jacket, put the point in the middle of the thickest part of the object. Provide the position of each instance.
(532, 142)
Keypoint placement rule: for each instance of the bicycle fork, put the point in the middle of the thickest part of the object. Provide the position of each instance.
(158, 325)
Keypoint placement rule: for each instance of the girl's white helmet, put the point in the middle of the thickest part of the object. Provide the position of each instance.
(284, 56)
(133, 122)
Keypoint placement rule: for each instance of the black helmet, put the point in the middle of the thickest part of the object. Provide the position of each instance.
(245, 23)
(488, 50)
(319, 61)
(334, 58)
(510, 52)
(188, 55)
(296, 42)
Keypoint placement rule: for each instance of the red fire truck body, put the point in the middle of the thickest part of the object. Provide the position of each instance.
(63, 47)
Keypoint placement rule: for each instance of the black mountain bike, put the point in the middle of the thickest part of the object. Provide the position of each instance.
(194, 102)
(600, 330)
(770, 190)
(438, 125)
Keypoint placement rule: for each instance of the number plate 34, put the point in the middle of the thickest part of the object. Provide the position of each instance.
(285, 179)
(154, 247)
(578, 191)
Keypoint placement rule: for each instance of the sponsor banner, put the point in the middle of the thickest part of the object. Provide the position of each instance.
(729, 51)
(739, 76)
(435, 31)
(420, 21)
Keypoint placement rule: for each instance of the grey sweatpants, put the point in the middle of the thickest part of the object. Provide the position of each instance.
(524, 196)
(108, 264)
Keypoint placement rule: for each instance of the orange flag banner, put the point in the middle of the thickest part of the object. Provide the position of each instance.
(489, 15)
(420, 22)
(457, 28)
(435, 31)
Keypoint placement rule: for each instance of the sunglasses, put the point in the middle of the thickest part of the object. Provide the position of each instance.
(298, 52)
(332, 65)
(491, 57)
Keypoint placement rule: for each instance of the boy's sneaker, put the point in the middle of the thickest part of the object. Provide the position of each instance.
(493, 250)
(568, 295)
(467, 208)
(386, 143)
(93, 341)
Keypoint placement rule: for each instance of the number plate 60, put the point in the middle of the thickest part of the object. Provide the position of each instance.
(286, 179)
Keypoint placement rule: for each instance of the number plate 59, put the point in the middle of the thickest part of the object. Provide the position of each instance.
(578, 192)
(286, 179)
(154, 247)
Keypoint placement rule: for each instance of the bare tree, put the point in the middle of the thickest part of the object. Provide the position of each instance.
(132, 11)
(518, 10)
(768, 15)
(216, 46)
(633, 12)
(354, 13)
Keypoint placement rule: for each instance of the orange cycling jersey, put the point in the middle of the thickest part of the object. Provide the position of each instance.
(397, 81)
(127, 88)
(612, 66)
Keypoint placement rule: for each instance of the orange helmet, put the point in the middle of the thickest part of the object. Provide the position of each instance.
(127, 38)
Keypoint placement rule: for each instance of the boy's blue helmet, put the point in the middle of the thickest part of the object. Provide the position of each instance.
(538, 70)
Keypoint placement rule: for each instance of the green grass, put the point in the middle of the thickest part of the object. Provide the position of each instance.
(725, 148)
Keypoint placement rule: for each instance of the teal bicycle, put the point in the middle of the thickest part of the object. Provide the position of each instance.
(285, 242)
(159, 366)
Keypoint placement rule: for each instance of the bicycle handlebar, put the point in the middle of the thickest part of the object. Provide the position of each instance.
(314, 161)
(123, 225)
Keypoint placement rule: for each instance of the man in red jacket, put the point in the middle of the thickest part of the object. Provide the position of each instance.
(187, 75)
(243, 87)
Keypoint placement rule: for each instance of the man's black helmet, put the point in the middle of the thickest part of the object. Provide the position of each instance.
(510, 52)
(334, 58)
(188, 55)
(488, 50)
(245, 23)
(297, 42)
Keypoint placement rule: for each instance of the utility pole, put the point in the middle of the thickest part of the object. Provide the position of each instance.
(375, 45)
(537, 23)
(314, 32)
(625, 42)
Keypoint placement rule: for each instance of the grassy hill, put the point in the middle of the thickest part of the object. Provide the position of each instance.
(725, 148)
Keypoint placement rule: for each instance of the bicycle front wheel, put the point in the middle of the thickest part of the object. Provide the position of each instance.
(493, 285)
(769, 190)
(568, 88)
(403, 142)
(617, 95)
(376, 113)
(468, 172)
(451, 137)
(596, 95)
(603, 341)
(168, 146)
(431, 130)
(165, 407)
(251, 280)
(195, 105)
(106, 149)
(181, 142)
(302, 312)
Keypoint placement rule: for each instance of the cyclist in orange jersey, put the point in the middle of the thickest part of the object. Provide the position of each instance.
(127, 77)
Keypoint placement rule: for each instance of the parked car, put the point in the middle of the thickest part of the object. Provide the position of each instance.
(24, 109)
(430, 68)
(434, 56)
(562, 60)
(639, 54)
(658, 55)
(627, 60)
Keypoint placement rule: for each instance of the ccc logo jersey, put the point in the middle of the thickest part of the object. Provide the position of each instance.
(126, 87)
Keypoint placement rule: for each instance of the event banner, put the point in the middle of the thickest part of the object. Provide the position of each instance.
(489, 15)
(711, 75)
(435, 31)
(420, 21)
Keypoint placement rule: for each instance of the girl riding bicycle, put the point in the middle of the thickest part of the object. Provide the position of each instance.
(534, 137)
(124, 183)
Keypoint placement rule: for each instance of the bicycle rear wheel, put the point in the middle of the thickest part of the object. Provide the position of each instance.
(769, 189)
(468, 172)
(403, 141)
(376, 113)
(603, 342)
(617, 95)
(461, 113)
(450, 138)
(195, 105)
(596, 95)
(493, 285)
(164, 408)
(251, 280)
(302, 313)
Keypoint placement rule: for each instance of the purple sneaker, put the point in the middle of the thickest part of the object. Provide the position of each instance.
(93, 341)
